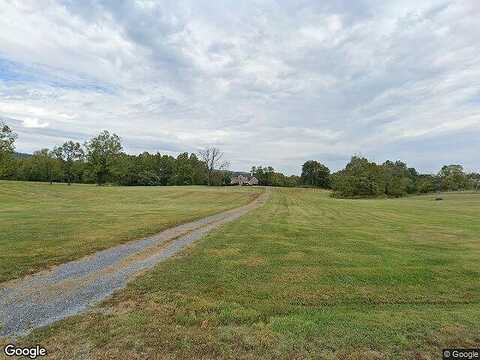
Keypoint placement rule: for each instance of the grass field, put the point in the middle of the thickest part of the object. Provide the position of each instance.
(306, 276)
(43, 225)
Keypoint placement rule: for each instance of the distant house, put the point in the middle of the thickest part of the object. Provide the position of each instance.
(253, 181)
(244, 180)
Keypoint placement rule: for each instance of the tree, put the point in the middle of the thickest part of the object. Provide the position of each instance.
(315, 174)
(183, 170)
(265, 175)
(413, 176)
(212, 159)
(426, 184)
(7, 147)
(198, 170)
(68, 153)
(398, 180)
(474, 179)
(453, 178)
(44, 166)
(125, 170)
(359, 178)
(102, 151)
(166, 170)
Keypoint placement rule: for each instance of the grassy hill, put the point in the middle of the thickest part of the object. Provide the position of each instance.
(304, 277)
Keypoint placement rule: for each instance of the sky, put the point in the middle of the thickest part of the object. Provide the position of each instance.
(268, 82)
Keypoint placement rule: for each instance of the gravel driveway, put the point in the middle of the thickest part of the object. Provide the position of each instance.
(70, 288)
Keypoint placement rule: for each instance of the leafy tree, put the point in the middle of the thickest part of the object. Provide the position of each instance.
(213, 160)
(7, 147)
(44, 166)
(264, 175)
(359, 178)
(412, 175)
(125, 170)
(199, 172)
(426, 184)
(148, 178)
(166, 170)
(398, 178)
(315, 174)
(102, 151)
(452, 178)
(183, 170)
(68, 153)
(293, 180)
(279, 179)
(267, 176)
(474, 179)
(145, 167)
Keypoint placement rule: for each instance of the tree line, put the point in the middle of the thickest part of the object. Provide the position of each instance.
(267, 176)
(364, 178)
(102, 160)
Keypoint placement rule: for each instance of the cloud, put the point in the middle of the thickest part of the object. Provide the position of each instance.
(34, 123)
(269, 82)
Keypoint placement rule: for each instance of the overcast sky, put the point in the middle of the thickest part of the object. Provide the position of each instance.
(269, 82)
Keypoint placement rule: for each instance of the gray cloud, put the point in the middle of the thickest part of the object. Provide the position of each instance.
(270, 82)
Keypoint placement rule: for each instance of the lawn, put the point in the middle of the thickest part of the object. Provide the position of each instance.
(305, 276)
(43, 225)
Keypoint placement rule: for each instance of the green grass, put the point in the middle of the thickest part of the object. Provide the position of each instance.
(304, 277)
(42, 225)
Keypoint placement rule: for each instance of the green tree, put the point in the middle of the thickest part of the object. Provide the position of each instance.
(474, 179)
(7, 147)
(102, 152)
(166, 170)
(263, 175)
(360, 178)
(426, 184)
(315, 174)
(267, 176)
(453, 178)
(398, 181)
(45, 166)
(412, 175)
(67, 154)
(199, 173)
(147, 165)
(183, 170)
(125, 170)
(293, 180)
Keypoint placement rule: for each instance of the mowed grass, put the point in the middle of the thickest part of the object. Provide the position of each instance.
(43, 225)
(304, 277)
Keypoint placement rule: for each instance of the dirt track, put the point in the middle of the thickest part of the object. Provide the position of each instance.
(71, 288)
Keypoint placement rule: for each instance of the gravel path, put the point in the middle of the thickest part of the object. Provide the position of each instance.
(71, 288)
